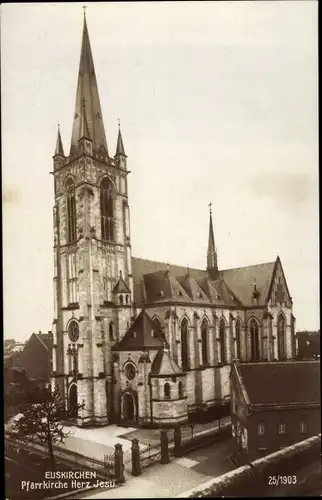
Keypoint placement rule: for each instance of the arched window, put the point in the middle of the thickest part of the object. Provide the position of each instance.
(156, 326)
(238, 338)
(127, 299)
(107, 217)
(121, 299)
(254, 340)
(185, 344)
(281, 337)
(167, 391)
(180, 389)
(204, 341)
(111, 331)
(222, 336)
(71, 210)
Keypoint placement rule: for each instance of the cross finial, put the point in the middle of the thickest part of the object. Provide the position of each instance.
(84, 9)
(58, 125)
(210, 209)
(119, 123)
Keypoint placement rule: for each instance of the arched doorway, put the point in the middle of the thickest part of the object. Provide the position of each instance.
(72, 401)
(128, 407)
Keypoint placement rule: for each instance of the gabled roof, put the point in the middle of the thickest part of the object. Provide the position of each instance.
(143, 334)
(241, 281)
(282, 382)
(121, 286)
(163, 364)
(162, 286)
(192, 288)
(237, 283)
(46, 339)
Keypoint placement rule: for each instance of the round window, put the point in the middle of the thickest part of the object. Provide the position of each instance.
(73, 331)
(130, 371)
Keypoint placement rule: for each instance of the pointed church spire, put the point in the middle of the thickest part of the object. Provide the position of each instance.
(87, 91)
(120, 146)
(211, 254)
(59, 144)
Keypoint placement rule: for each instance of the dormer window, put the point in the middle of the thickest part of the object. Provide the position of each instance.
(161, 293)
(134, 335)
(199, 295)
(180, 293)
(218, 297)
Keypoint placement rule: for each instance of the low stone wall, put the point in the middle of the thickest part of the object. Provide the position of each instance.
(252, 478)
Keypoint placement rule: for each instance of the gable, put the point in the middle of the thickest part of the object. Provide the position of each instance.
(143, 334)
(279, 292)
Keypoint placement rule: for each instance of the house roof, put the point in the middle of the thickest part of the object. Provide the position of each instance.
(282, 382)
(163, 364)
(143, 334)
(46, 339)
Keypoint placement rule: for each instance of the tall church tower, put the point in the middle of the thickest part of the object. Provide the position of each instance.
(92, 253)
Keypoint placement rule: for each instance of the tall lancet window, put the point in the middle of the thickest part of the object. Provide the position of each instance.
(238, 338)
(185, 344)
(254, 339)
(71, 210)
(222, 337)
(72, 278)
(281, 337)
(107, 211)
(204, 342)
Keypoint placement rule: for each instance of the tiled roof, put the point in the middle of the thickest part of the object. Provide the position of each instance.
(192, 288)
(163, 364)
(233, 286)
(162, 286)
(142, 334)
(282, 382)
(241, 281)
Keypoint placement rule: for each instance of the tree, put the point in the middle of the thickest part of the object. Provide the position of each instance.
(43, 421)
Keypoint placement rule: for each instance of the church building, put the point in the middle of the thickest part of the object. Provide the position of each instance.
(143, 342)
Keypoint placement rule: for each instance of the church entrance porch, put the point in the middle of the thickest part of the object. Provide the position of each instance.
(129, 409)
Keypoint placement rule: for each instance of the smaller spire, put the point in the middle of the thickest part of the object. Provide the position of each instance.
(211, 254)
(59, 144)
(120, 146)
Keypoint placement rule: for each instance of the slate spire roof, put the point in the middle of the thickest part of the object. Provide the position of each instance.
(59, 150)
(120, 146)
(87, 93)
(211, 254)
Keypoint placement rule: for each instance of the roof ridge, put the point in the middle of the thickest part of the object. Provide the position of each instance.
(247, 267)
(166, 264)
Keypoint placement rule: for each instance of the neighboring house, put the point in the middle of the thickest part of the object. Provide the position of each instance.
(36, 356)
(308, 344)
(18, 347)
(274, 405)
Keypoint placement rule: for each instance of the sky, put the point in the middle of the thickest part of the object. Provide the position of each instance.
(218, 102)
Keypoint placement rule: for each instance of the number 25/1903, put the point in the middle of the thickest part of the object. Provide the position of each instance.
(277, 480)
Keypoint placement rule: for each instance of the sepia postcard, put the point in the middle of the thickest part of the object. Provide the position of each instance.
(161, 249)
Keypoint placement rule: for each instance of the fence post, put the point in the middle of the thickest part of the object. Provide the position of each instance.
(136, 464)
(118, 461)
(177, 441)
(164, 447)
